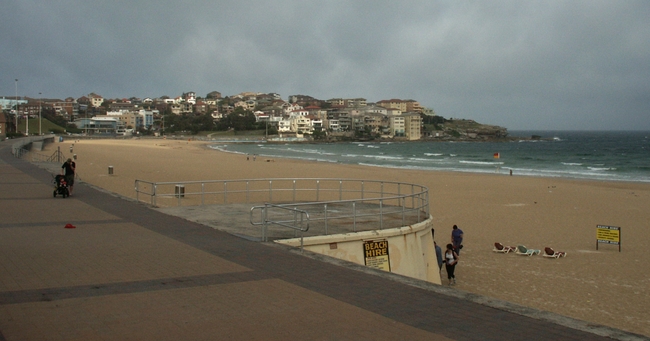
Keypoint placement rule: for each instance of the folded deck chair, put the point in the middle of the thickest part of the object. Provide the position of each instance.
(498, 247)
(524, 251)
(550, 253)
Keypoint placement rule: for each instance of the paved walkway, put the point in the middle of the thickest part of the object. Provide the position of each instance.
(128, 272)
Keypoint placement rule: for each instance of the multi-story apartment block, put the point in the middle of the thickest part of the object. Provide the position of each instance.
(83, 100)
(413, 106)
(130, 120)
(373, 122)
(284, 126)
(336, 102)
(201, 107)
(397, 126)
(95, 100)
(355, 102)
(135, 119)
(175, 108)
(121, 106)
(393, 112)
(9, 103)
(375, 109)
(189, 97)
(68, 108)
(412, 126)
(393, 104)
(332, 125)
(301, 124)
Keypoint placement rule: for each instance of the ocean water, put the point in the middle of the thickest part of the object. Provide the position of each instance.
(609, 156)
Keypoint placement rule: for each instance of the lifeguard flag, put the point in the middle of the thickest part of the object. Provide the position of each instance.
(497, 155)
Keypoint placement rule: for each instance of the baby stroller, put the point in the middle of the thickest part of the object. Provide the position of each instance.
(60, 186)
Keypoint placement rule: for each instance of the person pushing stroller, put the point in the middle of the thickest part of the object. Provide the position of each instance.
(68, 170)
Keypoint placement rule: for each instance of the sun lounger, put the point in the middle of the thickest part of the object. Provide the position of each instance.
(524, 251)
(498, 247)
(550, 253)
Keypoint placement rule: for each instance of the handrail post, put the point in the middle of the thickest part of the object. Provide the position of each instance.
(340, 189)
(325, 206)
(225, 192)
(317, 190)
(153, 197)
(354, 216)
(270, 190)
(403, 200)
(413, 196)
(295, 220)
(202, 193)
(294, 190)
(266, 223)
(381, 214)
(248, 191)
(420, 210)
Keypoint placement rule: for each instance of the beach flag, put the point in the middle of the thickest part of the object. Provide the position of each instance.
(497, 155)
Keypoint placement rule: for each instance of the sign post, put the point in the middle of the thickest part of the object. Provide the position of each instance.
(375, 254)
(608, 235)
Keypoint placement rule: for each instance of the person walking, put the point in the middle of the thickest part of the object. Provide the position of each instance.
(438, 256)
(457, 238)
(451, 259)
(68, 170)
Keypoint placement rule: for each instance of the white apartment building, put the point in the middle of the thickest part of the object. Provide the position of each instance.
(397, 126)
(284, 126)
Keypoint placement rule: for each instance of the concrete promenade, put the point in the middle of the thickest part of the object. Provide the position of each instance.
(129, 272)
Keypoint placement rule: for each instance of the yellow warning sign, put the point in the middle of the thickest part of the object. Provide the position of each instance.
(376, 254)
(608, 234)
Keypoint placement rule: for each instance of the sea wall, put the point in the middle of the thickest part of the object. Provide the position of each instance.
(407, 250)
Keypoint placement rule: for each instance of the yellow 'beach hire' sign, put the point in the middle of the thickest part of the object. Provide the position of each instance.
(608, 235)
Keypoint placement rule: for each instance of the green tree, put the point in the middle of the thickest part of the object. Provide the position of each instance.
(240, 119)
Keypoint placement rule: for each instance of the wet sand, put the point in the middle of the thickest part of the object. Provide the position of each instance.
(606, 286)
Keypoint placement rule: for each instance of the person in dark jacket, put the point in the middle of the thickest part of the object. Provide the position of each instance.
(68, 170)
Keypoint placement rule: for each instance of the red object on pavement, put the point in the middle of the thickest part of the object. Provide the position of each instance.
(69, 226)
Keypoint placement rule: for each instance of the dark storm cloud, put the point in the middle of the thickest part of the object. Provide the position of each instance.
(523, 65)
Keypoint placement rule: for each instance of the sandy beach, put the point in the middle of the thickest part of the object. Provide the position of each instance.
(606, 286)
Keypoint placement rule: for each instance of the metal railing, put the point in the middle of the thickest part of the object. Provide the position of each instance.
(298, 221)
(56, 157)
(327, 205)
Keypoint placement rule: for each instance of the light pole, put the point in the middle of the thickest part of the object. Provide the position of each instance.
(16, 105)
(40, 120)
(26, 123)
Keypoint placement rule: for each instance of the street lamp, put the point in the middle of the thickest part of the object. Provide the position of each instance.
(40, 120)
(16, 98)
(26, 123)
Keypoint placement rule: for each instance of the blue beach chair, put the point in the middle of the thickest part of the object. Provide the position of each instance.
(524, 251)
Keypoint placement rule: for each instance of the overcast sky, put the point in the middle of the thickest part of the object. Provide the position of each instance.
(518, 64)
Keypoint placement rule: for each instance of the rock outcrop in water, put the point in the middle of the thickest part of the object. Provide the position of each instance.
(464, 130)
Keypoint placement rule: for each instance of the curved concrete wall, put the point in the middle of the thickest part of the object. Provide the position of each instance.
(410, 250)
